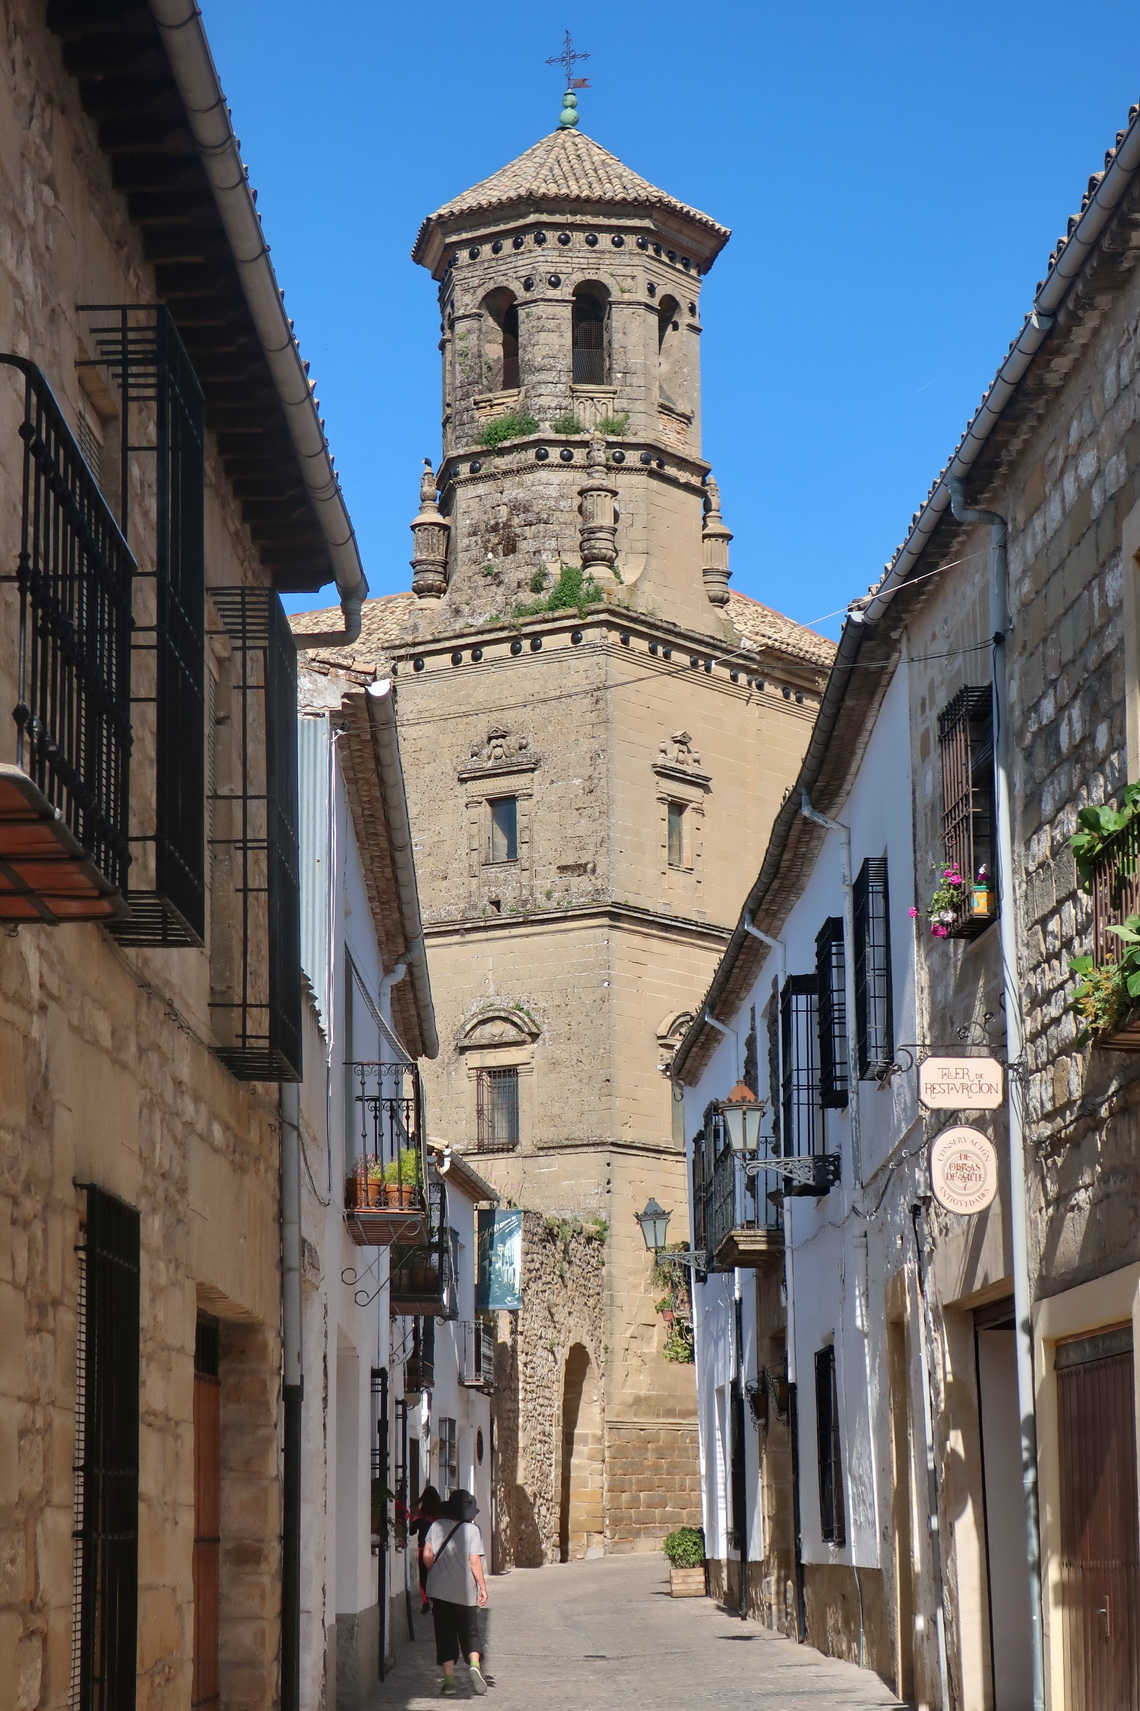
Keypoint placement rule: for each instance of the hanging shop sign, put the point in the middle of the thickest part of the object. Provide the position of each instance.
(499, 1283)
(960, 1083)
(963, 1170)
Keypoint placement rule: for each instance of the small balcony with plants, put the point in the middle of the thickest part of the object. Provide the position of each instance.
(1106, 1000)
(384, 1192)
(737, 1202)
(423, 1274)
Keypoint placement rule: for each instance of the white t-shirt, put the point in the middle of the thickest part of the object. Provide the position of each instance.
(450, 1576)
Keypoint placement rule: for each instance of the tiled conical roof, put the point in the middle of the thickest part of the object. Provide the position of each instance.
(566, 167)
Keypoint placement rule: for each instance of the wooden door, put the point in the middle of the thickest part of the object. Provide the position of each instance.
(205, 1690)
(1100, 1531)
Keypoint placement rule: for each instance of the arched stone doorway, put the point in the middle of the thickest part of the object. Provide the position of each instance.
(580, 1509)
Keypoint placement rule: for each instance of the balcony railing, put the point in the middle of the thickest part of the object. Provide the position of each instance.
(384, 1196)
(64, 853)
(1115, 891)
(477, 1354)
(422, 1279)
(740, 1219)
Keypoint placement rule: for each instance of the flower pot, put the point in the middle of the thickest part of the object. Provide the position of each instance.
(981, 902)
(375, 1193)
(392, 1194)
(687, 1582)
(668, 1314)
(351, 1192)
(407, 1194)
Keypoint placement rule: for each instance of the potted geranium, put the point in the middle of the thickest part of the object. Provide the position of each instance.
(685, 1550)
(955, 897)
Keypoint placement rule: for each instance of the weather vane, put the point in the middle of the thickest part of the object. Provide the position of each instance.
(568, 58)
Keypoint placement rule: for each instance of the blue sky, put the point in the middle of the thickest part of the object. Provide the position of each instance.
(895, 176)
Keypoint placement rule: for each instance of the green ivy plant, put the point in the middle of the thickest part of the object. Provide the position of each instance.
(1107, 991)
(1099, 826)
(573, 591)
(511, 425)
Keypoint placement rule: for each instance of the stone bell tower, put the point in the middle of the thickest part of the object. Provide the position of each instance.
(596, 734)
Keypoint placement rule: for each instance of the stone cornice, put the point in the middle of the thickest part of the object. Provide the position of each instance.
(618, 914)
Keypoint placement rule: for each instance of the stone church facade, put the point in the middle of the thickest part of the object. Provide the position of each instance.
(596, 737)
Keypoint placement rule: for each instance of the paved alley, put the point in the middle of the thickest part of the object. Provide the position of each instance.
(597, 1635)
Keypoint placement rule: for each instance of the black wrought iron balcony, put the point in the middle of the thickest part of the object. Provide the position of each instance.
(384, 1191)
(64, 852)
(477, 1354)
(422, 1279)
(742, 1221)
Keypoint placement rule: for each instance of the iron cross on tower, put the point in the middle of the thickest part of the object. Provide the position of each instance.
(568, 59)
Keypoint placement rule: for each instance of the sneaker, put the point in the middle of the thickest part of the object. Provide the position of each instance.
(447, 1687)
(478, 1680)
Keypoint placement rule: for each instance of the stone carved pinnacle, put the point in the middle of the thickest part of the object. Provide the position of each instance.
(430, 532)
(714, 539)
(598, 510)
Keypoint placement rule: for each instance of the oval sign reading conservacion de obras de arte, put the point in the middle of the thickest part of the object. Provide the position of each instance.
(960, 1083)
(963, 1170)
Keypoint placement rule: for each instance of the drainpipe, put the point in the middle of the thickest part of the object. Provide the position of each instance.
(292, 1390)
(925, 1344)
(810, 813)
(1018, 1188)
(180, 27)
(389, 980)
(780, 949)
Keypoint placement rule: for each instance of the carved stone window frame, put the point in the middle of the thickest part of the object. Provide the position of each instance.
(687, 787)
(488, 781)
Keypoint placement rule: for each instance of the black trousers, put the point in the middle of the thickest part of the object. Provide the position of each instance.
(457, 1630)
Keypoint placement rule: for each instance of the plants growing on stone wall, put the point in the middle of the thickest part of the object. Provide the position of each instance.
(951, 896)
(573, 591)
(613, 427)
(1100, 826)
(1107, 993)
(511, 425)
(567, 423)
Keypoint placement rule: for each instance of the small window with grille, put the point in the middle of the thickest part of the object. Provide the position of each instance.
(503, 829)
(497, 1110)
(832, 1518)
(874, 1022)
(676, 818)
(799, 1032)
(830, 976)
(590, 335)
(448, 1457)
(966, 742)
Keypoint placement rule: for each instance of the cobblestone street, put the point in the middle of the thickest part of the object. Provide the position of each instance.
(607, 1635)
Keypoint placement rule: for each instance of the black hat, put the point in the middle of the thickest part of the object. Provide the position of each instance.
(460, 1506)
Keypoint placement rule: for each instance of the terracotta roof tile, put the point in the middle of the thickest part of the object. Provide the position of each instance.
(765, 628)
(566, 167)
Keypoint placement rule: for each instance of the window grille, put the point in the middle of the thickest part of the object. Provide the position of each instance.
(497, 1110)
(772, 1021)
(676, 813)
(589, 330)
(874, 1018)
(400, 1473)
(830, 976)
(261, 1024)
(381, 1454)
(448, 1457)
(832, 1519)
(73, 714)
(145, 357)
(800, 1069)
(104, 1636)
(699, 1197)
(966, 742)
(511, 348)
(503, 831)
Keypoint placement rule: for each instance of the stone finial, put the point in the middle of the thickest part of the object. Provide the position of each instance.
(429, 535)
(597, 508)
(715, 538)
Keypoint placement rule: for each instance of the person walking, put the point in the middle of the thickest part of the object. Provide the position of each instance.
(457, 1587)
(428, 1509)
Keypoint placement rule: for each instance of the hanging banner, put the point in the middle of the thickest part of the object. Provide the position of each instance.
(963, 1170)
(960, 1083)
(500, 1262)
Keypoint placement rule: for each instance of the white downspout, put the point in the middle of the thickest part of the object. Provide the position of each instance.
(1018, 1188)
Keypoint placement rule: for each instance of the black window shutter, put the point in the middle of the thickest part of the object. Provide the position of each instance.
(800, 1068)
(830, 977)
(832, 1518)
(874, 1007)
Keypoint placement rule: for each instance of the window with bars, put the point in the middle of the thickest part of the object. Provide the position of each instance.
(676, 828)
(772, 1024)
(830, 976)
(832, 1518)
(799, 1081)
(874, 1010)
(448, 1480)
(104, 1631)
(257, 998)
(590, 336)
(140, 349)
(966, 744)
(497, 1110)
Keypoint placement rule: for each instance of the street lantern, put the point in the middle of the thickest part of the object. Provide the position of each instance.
(742, 1113)
(654, 1223)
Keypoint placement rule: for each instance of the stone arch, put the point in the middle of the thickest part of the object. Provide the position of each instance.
(670, 365)
(590, 334)
(580, 1504)
(500, 340)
